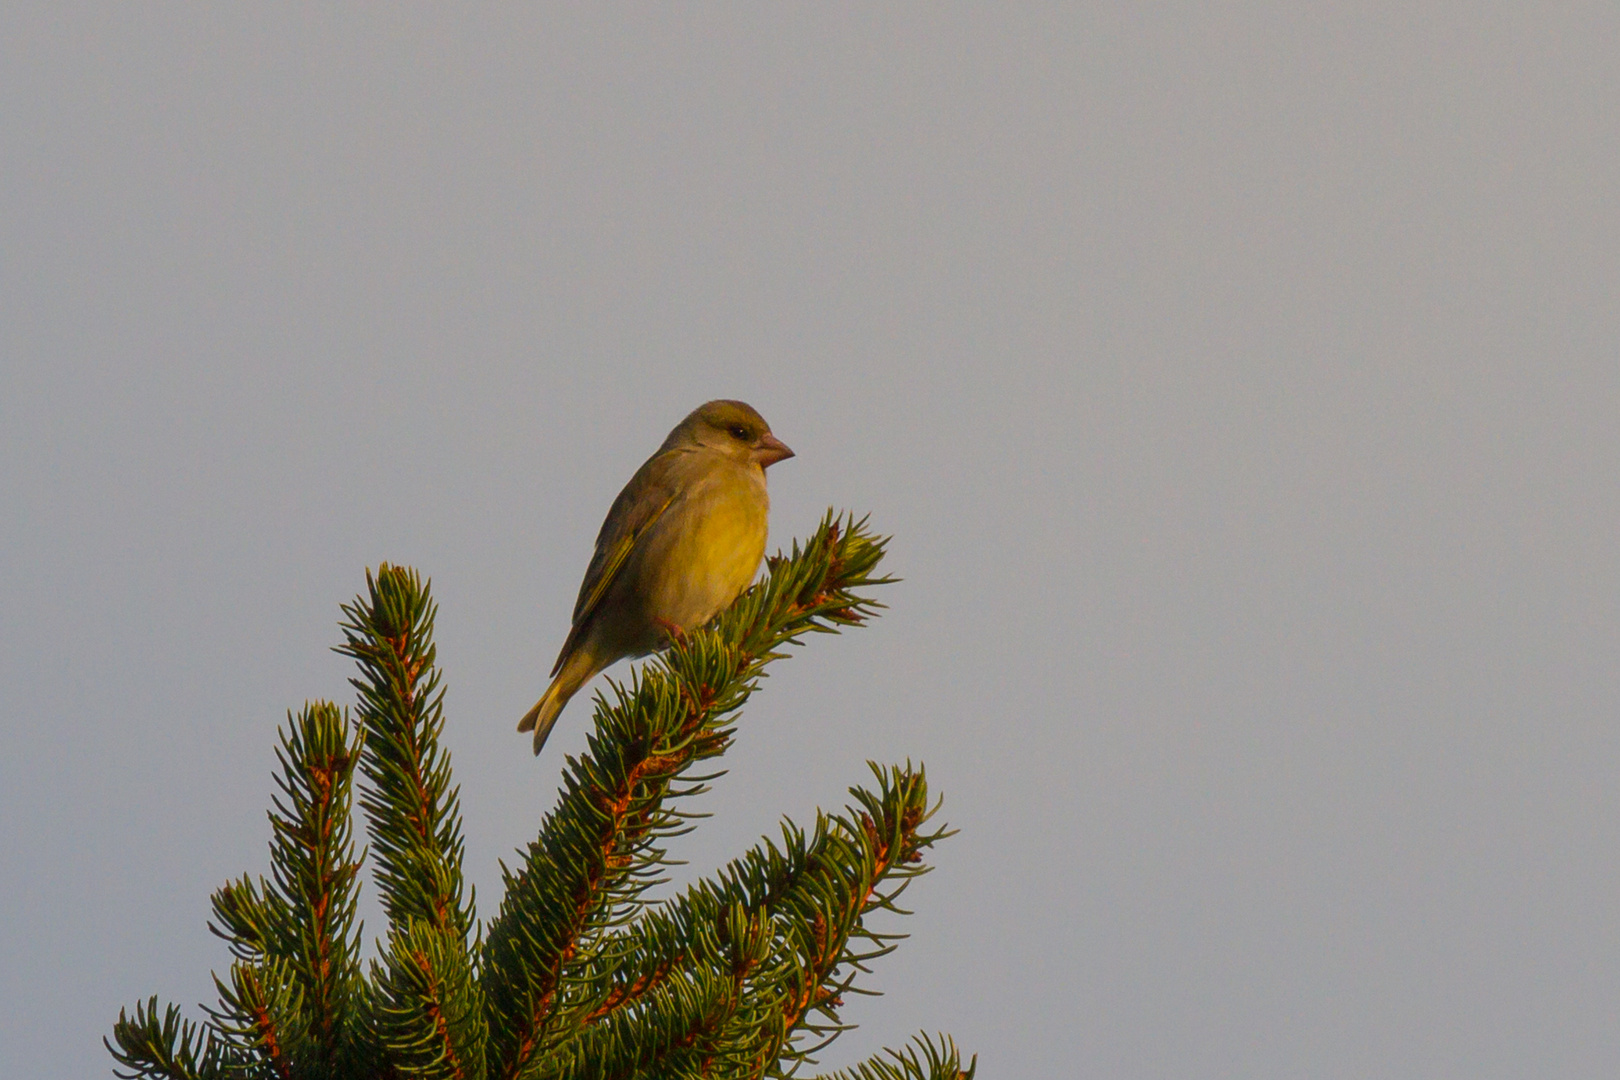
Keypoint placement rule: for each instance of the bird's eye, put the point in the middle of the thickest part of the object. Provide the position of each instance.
(737, 431)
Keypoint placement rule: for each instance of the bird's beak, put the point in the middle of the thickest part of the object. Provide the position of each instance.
(771, 450)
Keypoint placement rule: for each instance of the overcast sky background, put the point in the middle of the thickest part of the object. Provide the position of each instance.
(1240, 383)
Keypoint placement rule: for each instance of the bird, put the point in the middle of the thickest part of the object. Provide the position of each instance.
(682, 540)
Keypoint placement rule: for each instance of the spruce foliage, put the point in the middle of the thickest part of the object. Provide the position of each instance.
(579, 974)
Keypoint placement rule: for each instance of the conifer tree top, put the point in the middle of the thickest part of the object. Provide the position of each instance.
(579, 973)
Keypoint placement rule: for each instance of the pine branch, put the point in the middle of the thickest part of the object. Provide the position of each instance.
(922, 1060)
(261, 1018)
(428, 1012)
(601, 848)
(413, 814)
(166, 1049)
(427, 1016)
(816, 894)
(873, 854)
(252, 919)
(313, 865)
(673, 1024)
(297, 982)
(579, 977)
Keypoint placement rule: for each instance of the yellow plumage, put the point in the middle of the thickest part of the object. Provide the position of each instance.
(684, 537)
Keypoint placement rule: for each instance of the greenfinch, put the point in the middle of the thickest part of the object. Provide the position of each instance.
(684, 537)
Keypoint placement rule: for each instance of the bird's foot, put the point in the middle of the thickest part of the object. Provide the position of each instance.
(676, 635)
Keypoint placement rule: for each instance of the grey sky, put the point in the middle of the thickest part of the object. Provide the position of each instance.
(1240, 383)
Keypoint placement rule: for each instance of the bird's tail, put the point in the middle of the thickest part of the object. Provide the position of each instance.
(576, 672)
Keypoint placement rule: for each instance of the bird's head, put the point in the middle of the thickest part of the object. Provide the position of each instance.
(733, 428)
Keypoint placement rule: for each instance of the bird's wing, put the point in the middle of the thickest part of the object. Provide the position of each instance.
(650, 492)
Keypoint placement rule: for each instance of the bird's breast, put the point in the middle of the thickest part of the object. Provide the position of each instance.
(706, 549)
